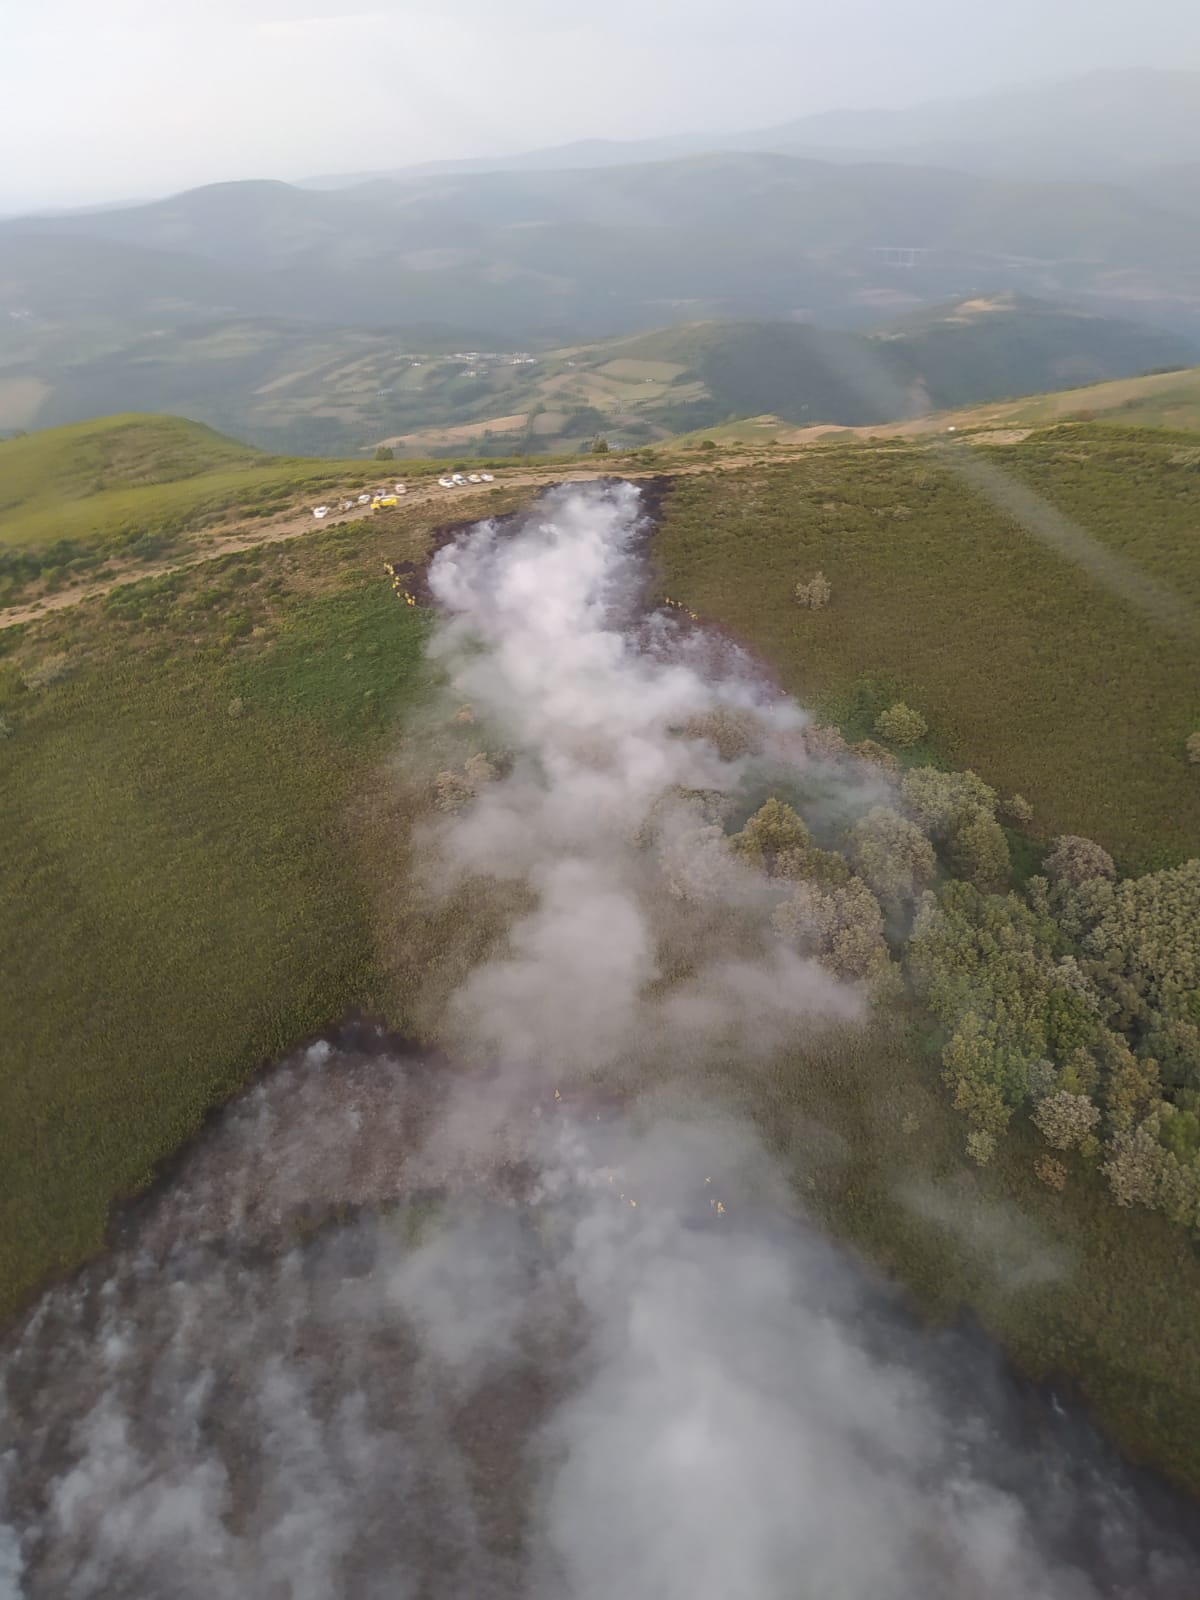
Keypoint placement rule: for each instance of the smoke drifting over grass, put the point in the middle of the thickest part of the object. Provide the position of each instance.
(397, 1329)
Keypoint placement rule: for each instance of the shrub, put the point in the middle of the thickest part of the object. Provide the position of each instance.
(451, 791)
(901, 725)
(824, 744)
(1016, 809)
(1134, 1164)
(878, 756)
(981, 1147)
(1052, 1173)
(478, 771)
(1193, 749)
(814, 594)
(236, 707)
(41, 674)
(732, 731)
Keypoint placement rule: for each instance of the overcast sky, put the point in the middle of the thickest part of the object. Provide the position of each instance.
(107, 99)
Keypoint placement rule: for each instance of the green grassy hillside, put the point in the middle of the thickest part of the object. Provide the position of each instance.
(183, 889)
(203, 864)
(74, 497)
(124, 452)
(1028, 670)
(1157, 400)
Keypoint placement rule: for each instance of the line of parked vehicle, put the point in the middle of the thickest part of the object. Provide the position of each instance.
(458, 480)
(386, 499)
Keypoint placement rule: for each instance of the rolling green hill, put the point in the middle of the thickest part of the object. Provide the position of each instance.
(1156, 400)
(73, 497)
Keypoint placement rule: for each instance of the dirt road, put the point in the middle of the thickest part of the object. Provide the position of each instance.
(227, 540)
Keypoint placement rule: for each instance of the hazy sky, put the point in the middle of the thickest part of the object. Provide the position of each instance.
(115, 98)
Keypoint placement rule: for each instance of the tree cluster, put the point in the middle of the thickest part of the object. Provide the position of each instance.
(1078, 1002)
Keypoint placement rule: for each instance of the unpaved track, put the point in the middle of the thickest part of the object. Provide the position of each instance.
(250, 536)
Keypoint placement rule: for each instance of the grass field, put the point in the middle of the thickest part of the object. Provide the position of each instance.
(1027, 669)
(1159, 400)
(182, 892)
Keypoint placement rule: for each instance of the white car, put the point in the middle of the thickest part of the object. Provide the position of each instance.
(349, 505)
(320, 511)
(401, 488)
(458, 480)
(473, 477)
(446, 483)
(487, 477)
(364, 499)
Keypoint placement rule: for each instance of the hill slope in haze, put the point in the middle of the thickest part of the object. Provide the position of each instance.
(567, 255)
(1101, 125)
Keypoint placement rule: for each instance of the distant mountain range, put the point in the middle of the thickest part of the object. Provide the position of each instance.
(558, 255)
(1105, 125)
(224, 301)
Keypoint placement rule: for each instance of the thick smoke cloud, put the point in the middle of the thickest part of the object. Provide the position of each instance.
(545, 646)
(403, 1328)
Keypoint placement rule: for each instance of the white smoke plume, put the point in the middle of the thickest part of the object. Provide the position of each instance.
(545, 645)
(398, 1329)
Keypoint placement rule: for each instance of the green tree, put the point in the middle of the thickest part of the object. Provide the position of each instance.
(599, 446)
(1065, 1120)
(892, 856)
(773, 829)
(939, 801)
(901, 725)
(978, 851)
(1075, 861)
(384, 452)
(841, 927)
